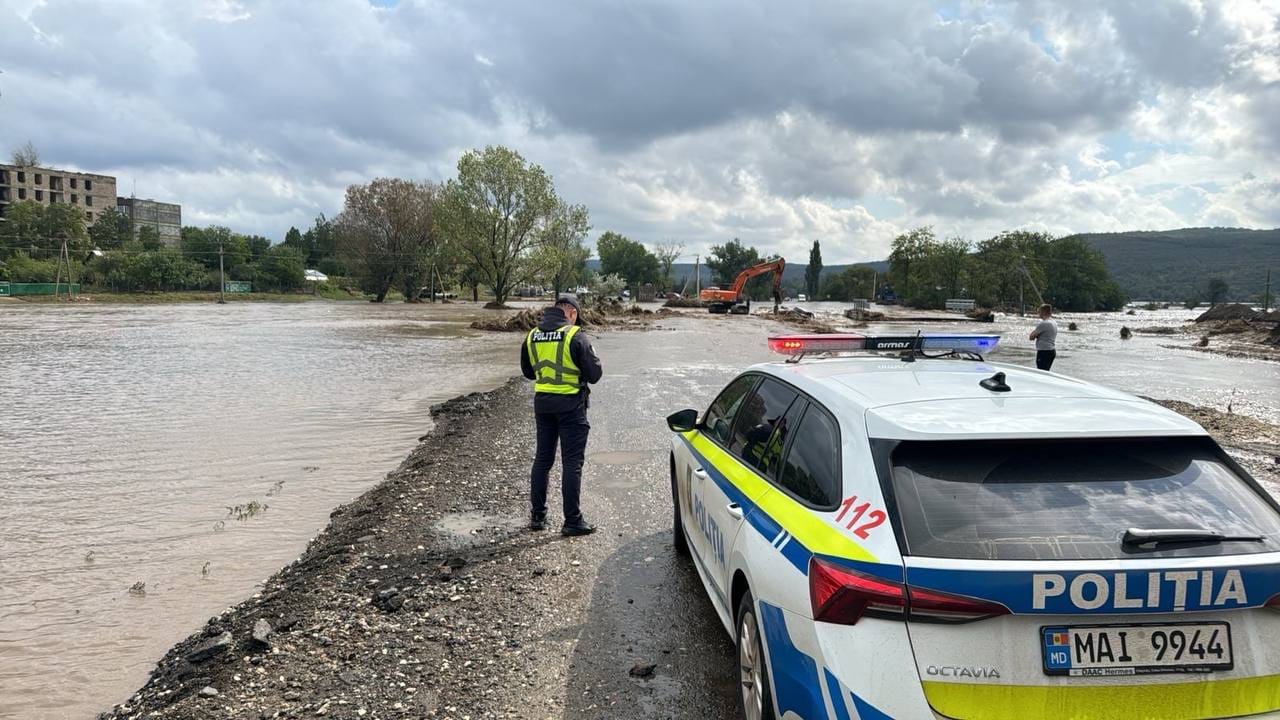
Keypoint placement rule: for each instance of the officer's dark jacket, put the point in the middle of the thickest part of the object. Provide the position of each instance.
(584, 356)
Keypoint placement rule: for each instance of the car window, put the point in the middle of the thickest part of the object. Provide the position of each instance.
(762, 412)
(1063, 499)
(719, 418)
(811, 470)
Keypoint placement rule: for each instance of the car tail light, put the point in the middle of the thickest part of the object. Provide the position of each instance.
(926, 605)
(843, 596)
(1274, 603)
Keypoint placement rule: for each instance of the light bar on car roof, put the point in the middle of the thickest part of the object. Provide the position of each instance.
(807, 344)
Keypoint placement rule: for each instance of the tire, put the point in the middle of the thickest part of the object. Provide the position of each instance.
(755, 698)
(678, 538)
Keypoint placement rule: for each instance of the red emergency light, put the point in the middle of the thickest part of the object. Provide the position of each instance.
(803, 344)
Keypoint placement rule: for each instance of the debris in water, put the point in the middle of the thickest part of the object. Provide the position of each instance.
(138, 589)
(246, 511)
(643, 671)
(1125, 332)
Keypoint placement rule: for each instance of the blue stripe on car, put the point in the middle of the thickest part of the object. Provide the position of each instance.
(795, 674)
(836, 694)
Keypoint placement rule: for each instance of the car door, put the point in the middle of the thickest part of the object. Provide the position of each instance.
(755, 446)
(693, 474)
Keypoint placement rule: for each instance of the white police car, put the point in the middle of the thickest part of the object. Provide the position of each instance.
(910, 537)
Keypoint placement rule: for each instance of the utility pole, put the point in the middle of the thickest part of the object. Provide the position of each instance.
(1022, 307)
(222, 278)
(1266, 296)
(697, 274)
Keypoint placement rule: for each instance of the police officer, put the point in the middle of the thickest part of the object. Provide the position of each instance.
(559, 359)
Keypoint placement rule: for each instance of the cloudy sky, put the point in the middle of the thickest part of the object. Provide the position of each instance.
(778, 123)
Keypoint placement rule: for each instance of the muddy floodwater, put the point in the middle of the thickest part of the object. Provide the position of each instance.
(158, 462)
(187, 452)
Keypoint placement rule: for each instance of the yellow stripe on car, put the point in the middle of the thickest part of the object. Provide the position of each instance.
(803, 523)
(1209, 698)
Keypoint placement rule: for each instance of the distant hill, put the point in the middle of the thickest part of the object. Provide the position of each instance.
(1177, 264)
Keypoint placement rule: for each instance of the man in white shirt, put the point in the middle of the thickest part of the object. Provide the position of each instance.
(1046, 337)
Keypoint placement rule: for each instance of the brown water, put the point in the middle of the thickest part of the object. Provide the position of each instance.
(127, 434)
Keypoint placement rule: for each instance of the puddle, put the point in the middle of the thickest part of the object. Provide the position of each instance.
(621, 457)
(464, 529)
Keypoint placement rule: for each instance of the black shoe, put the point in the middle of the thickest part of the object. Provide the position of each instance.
(538, 521)
(581, 527)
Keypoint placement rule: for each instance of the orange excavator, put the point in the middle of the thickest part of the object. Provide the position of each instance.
(734, 300)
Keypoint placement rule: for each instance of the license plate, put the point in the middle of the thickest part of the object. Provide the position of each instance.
(1106, 650)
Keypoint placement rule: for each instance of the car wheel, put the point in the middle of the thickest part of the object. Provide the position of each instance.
(754, 697)
(679, 539)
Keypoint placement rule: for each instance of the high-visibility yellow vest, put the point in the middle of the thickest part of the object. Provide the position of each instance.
(553, 368)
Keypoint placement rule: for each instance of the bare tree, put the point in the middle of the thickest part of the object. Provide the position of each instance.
(384, 233)
(26, 156)
(667, 253)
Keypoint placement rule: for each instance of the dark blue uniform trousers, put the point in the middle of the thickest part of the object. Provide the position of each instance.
(570, 430)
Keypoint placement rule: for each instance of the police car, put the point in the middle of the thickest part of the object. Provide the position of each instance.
(920, 533)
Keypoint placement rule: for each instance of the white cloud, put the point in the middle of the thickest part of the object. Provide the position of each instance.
(842, 120)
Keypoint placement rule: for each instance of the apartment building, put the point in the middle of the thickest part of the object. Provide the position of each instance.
(166, 218)
(90, 192)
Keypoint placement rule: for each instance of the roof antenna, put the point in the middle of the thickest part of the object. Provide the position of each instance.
(917, 345)
(996, 383)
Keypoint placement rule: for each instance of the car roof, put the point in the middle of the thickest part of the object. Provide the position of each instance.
(941, 399)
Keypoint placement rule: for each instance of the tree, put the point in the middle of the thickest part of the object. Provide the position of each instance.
(813, 273)
(619, 255)
(907, 249)
(323, 250)
(293, 238)
(283, 267)
(852, 283)
(36, 227)
(562, 256)
(667, 253)
(149, 237)
(26, 156)
(202, 244)
(110, 231)
(385, 231)
(728, 260)
(606, 286)
(1077, 277)
(494, 211)
(1217, 290)
(258, 247)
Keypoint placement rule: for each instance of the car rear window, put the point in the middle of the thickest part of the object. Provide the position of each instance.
(1061, 499)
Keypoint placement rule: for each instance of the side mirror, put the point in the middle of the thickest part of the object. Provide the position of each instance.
(683, 421)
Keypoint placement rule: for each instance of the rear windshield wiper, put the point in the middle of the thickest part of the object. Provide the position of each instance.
(1143, 536)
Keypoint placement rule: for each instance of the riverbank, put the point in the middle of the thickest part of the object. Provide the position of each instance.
(425, 598)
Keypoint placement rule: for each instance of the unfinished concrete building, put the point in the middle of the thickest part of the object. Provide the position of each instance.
(166, 218)
(90, 192)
